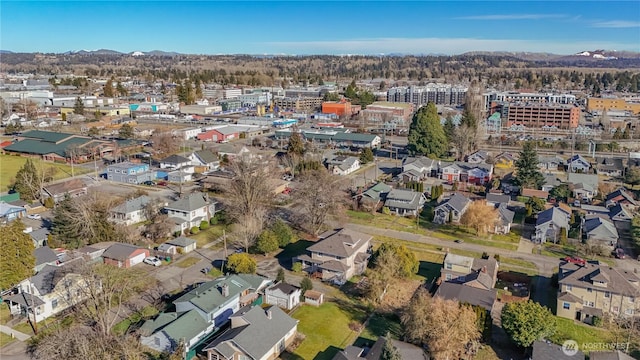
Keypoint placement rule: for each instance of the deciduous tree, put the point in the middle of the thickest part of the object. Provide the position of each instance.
(108, 88)
(283, 232)
(479, 216)
(267, 242)
(28, 181)
(526, 322)
(295, 147)
(318, 198)
(241, 263)
(426, 136)
(126, 132)
(17, 261)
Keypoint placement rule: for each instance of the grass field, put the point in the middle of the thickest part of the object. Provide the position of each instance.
(5, 339)
(187, 262)
(568, 329)
(5, 314)
(9, 166)
(326, 329)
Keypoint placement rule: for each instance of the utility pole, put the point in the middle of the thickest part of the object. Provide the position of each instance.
(33, 309)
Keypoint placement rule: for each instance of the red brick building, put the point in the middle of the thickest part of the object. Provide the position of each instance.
(124, 255)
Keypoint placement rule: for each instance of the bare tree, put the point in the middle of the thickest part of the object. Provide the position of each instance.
(463, 139)
(319, 197)
(163, 142)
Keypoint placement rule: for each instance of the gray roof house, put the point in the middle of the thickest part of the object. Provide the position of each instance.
(284, 295)
(343, 165)
(497, 199)
(131, 211)
(550, 163)
(621, 196)
(470, 280)
(477, 157)
(405, 350)
(205, 158)
(451, 209)
(505, 219)
(174, 162)
(40, 237)
(546, 350)
(190, 210)
(44, 256)
(549, 224)
(600, 231)
(578, 163)
(375, 195)
(422, 165)
(467, 294)
(183, 244)
(609, 166)
(585, 185)
(619, 213)
(255, 333)
(550, 181)
(405, 202)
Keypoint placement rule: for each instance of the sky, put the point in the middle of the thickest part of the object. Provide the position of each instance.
(320, 27)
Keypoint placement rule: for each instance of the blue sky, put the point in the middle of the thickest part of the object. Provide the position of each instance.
(326, 27)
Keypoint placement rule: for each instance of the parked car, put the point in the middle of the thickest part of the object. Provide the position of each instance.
(287, 191)
(162, 183)
(575, 260)
(34, 216)
(620, 253)
(459, 241)
(149, 183)
(152, 260)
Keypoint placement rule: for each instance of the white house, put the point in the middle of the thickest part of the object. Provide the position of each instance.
(131, 211)
(283, 295)
(578, 163)
(422, 165)
(187, 134)
(175, 162)
(190, 211)
(343, 165)
(206, 158)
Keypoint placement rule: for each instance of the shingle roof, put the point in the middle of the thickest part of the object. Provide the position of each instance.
(342, 243)
(506, 215)
(65, 186)
(46, 280)
(376, 191)
(547, 351)
(8, 208)
(554, 215)
(44, 255)
(467, 294)
(457, 201)
(175, 159)
(264, 329)
(619, 211)
(120, 251)
(624, 194)
(284, 288)
(403, 199)
(591, 180)
(207, 156)
(132, 205)
(191, 202)
(498, 198)
(181, 241)
(619, 282)
(609, 164)
(600, 228)
(208, 296)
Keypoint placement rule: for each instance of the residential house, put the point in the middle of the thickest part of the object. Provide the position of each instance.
(167, 249)
(478, 157)
(589, 290)
(205, 158)
(550, 163)
(585, 186)
(131, 211)
(51, 291)
(621, 196)
(40, 237)
(405, 350)
(124, 255)
(190, 211)
(338, 255)
(422, 166)
(255, 333)
(619, 213)
(232, 151)
(497, 199)
(462, 293)
(600, 231)
(283, 295)
(44, 256)
(180, 176)
(504, 160)
(550, 181)
(130, 173)
(175, 162)
(343, 165)
(183, 244)
(595, 210)
(451, 209)
(374, 196)
(578, 164)
(609, 355)
(405, 202)
(469, 280)
(546, 350)
(505, 219)
(199, 312)
(609, 166)
(72, 188)
(478, 174)
(549, 225)
(529, 193)
(10, 212)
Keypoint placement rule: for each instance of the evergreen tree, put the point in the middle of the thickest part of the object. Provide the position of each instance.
(449, 128)
(366, 155)
(121, 90)
(306, 284)
(18, 260)
(61, 225)
(108, 88)
(351, 91)
(389, 351)
(280, 275)
(126, 132)
(78, 107)
(295, 146)
(283, 232)
(426, 135)
(527, 173)
(28, 181)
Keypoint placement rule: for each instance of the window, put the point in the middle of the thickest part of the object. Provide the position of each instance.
(588, 303)
(566, 305)
(589, 290)
(632, 300)
(569, 287)
(54, 303)
(629, 312)
(156, 340)
(448, 277)
(607, 294)
(448, 266)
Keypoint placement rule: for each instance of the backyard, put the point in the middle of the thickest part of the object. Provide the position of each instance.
(213, 233)
(9, 166)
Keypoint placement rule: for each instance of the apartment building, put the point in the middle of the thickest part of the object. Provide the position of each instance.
(592, 290)
(538, 115)
(130, 173)
(440, 94)
(526, 97)
(298, 104)
(615, 104)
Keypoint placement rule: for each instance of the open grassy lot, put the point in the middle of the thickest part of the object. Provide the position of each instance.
(9, 166)
(133, 320)
(326, 329)
(187, 262)
(570, 330)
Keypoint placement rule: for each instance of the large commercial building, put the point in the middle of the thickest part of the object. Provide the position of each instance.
(524, 97)
(383, 111)
(538, 115)
(440, 94)
(340, 108)
(613, 104)
(299, 104)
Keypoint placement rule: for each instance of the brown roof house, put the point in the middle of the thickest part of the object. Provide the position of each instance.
(338, 255)
(124, 255)
(73, 188)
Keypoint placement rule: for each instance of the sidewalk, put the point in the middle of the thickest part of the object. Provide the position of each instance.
(16, 334)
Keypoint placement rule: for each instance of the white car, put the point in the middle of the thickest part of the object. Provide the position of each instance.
(34, 216)
(152, 260)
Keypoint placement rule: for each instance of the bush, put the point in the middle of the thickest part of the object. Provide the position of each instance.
(213, 221)
(267, 242)
(305, 284)
(204, 225)
(283, 233)
(195, 230)
(386, 211)
(497, 257)
(596, 321)
(49, 203)
(177, 234)
(485, 255)
(297, 267)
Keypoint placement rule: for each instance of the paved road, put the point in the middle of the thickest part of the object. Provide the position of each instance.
(544, 264)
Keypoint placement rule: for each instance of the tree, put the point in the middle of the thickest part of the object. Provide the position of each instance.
(527, 173)
(93, 131)
(480, 216)
(389, 351)
(445, 326)
(449, 128)
(632, 175)
(280, 275)
(13, 128)
(463, 139)
(306, 284)
(385, 268)
(126, 132)
(163, 142)
(18, 260)
(159, 227)
(108, 88)
(283, 232)
(318, 198)
(121, 90)
(536, 204)
(267, 242)
(366, 155)
(405, 259)
(28, 181)
(426, 136)
(526, 322)
(78, 107)
(296, 145)
(561, 192)
(241, 264)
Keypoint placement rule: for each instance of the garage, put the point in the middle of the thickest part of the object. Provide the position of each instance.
(137, 259)
(124, 255)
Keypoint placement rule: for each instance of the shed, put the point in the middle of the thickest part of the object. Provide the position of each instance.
(313, 297)
(183, 244)
(168, 249)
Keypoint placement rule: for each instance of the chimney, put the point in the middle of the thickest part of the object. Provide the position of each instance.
(268, 312)
(225, 290)
(484, 269)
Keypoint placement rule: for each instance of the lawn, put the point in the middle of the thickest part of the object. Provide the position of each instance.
(5, 314)
(187, 262)
(380, 325)
(5, 339)
(570, 330)
(9, 166)
(211, 234)
(135, 318)
(326, 329)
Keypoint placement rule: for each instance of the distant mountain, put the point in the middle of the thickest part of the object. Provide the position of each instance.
(594, 55)
(92, 52)
(6, 52)
(161, 53)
